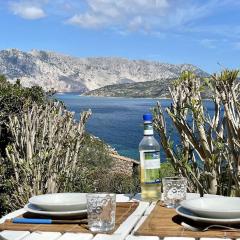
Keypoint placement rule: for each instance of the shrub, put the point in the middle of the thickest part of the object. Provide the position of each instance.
(167, 170)
(44, 150)
(15, 99)
(51, 152)
(210, 145)
(119, 182)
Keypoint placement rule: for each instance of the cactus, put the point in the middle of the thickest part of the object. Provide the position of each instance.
(47, 142)
(210, 145)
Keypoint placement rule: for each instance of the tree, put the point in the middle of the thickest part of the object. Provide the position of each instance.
(210, 145)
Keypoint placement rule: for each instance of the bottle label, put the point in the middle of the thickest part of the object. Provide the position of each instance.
(148, 129)
(150, 167)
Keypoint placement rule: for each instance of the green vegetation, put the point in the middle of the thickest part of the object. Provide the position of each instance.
(208, 155)
(14, 99)
(167, 170)
(151, 89)
(44, 149)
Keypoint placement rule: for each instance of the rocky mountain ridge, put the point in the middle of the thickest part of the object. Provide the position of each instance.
(66, 73)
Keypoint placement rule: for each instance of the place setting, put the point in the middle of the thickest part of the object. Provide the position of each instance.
(74, 212)
(209, 216)
(176, 216)
(58, 204)
(225, 210)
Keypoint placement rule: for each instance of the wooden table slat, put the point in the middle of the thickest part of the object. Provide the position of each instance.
(164, 222)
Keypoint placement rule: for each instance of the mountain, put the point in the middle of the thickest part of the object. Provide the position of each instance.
(66, 73)
(150, 89)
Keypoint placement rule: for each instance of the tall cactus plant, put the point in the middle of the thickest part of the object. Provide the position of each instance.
(46, 148)
(209, 155)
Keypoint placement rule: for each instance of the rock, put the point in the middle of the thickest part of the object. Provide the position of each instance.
(65, 73)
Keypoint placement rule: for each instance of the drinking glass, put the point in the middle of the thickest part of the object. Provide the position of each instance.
(174, 191)
(101, 208)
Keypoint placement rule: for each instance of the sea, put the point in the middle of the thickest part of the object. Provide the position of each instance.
(118, 121)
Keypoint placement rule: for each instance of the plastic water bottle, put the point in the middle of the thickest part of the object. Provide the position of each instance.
(149, 150)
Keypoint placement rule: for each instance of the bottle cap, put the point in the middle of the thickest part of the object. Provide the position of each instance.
(147, 117)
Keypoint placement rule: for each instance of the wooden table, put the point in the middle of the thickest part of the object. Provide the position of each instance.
(124, 232)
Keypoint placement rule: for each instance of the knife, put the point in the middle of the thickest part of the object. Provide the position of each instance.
(47, 221)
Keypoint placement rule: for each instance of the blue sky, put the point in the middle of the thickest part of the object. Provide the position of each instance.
(204, 33)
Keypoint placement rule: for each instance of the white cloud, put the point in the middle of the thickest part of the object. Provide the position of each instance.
(153, 17)
(123, 14)
(88, 20)
(27, 10)
(134, 15)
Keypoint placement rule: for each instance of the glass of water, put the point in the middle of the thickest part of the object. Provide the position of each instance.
(101, 209)
(174, 191)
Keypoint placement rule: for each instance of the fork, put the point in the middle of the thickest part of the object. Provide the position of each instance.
(195, 229)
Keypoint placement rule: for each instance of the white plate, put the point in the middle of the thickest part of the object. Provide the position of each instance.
(222, 207)
(60, 201)
(188, 214)
(33, 209)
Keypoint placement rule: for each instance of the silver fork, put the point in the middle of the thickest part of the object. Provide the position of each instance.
(195, 229)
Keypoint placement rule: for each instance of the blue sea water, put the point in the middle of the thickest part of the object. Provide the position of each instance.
(117, 121)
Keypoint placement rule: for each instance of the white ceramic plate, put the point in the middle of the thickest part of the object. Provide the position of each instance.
(222, 207)
(60, 201)
(33, 209)
(188, 214)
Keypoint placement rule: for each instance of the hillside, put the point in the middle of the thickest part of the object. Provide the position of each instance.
(150, 89)
(66, 73)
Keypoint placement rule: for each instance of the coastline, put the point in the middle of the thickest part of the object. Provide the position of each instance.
(114, 97)
(160, 98)
(94, 96)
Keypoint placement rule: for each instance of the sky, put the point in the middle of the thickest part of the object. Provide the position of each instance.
(200, 32)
